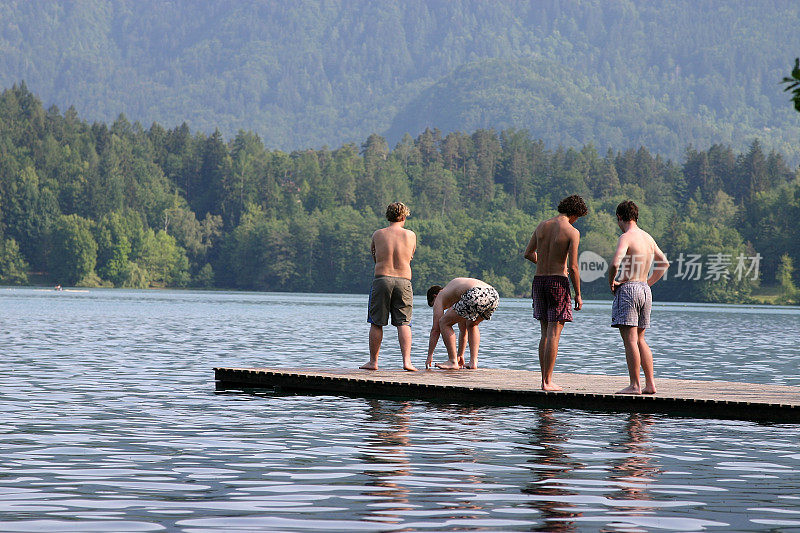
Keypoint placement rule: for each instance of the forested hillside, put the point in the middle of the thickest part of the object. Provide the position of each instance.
(120, 205)
(617, 73)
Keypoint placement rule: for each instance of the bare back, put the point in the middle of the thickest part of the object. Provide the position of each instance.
(552, 242)
(634, 255)
(392, 249)
(455, 289)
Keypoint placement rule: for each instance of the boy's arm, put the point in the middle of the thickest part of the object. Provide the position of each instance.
(462, 344)
(432, 341)
(574, 272)
(660, 265)
(616, 261)
(530, 250)
(372, 249)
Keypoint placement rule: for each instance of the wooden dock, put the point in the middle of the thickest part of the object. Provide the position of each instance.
(701, 399)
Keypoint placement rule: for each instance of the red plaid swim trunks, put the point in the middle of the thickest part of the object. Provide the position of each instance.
(551, 299)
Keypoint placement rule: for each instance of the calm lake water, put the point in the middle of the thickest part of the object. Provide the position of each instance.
(111, 423)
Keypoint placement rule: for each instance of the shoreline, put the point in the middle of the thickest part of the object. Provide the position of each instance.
(760, 300)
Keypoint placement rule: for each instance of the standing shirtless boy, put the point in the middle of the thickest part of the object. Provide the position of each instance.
(630, 311)
(391, 294)
(554, 241)
(466, 302)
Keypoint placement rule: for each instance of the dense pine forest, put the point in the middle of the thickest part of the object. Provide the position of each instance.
(119, 205)
(308, 73)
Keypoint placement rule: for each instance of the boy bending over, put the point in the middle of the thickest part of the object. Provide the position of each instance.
(466, 302)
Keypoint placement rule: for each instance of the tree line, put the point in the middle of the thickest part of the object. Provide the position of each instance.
(120, 205)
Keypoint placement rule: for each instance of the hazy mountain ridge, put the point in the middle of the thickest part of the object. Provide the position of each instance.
(305, 74)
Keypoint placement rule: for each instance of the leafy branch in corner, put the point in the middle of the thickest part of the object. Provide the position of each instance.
(794, 82)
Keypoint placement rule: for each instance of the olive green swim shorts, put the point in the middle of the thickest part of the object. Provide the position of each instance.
(390, 296)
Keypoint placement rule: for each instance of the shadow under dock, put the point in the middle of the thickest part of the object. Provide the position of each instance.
(702, 399)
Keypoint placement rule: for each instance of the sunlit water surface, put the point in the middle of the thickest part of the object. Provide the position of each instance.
(111, 423)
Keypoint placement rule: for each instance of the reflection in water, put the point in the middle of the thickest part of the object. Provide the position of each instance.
(472, 420)
(387, 446)
(634, 472)
(549, 436)
(396, 480)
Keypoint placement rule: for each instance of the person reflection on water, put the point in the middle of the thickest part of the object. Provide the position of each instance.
(551, 461)
(387, 457)
(633, 472)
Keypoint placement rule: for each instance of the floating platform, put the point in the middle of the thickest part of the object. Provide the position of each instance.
(701, 399)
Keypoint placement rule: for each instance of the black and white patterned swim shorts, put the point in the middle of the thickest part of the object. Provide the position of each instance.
(477, 302)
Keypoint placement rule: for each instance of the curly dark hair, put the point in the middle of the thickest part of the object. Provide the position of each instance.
(432, 292)
(627, 211)
(573, 206)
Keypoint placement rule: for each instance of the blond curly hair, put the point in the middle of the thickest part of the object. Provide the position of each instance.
(397, 212)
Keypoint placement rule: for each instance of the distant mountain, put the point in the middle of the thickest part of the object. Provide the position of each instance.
(552, 102)
(307, 73)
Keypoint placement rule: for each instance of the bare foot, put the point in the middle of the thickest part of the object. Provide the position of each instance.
(369, 366)
(631, 389)
(448, 366)
(461, 362)
(649, 389)
(469, 366)
(410, 368)
(551, 387)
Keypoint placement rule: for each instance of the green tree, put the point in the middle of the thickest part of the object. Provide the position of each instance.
(480, 185)
(165, 262)
(717, 248)
(13, 268)
(120, 240)
(260, 254)
(344, 261)
(205, 277)
(206, 190)
(435, 191)
(793, 84)
(194, 236)
(74, 250)
(789, 291)
(440, 251)
(249, 164)
(29, 211)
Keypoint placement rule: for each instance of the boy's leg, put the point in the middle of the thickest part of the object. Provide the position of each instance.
(462, 341)
(404, 337)
(474, 335)
(553, 336)
(630, 338)
(375, 339)
(542, 344)
(449, 337)
(646, 356)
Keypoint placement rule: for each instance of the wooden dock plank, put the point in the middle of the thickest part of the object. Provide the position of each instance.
(718, 399)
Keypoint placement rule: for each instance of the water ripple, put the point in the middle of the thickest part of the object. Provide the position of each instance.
(111, 423)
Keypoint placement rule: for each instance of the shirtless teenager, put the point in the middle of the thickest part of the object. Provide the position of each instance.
(391, 294)
(466, 302)
(630, 311)
(553, 243)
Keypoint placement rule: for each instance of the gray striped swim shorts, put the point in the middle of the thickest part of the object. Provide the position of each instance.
(632, 303)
